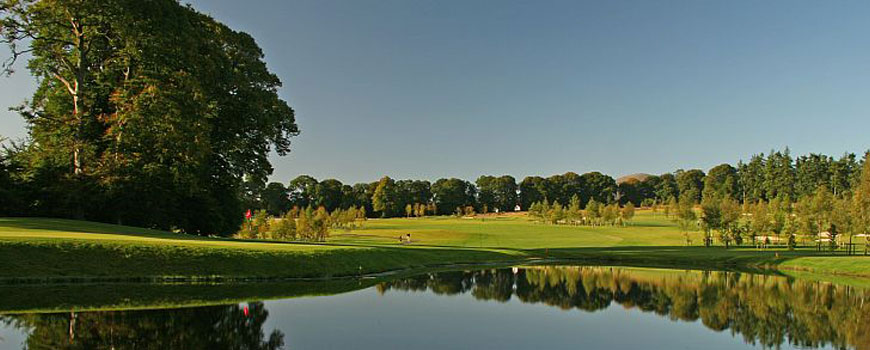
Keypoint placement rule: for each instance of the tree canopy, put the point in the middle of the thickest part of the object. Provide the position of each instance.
(146, 107)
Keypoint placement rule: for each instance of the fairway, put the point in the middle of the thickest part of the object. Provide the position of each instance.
(37, 249)
(516, 232)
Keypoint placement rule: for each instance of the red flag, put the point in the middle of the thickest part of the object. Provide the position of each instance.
(248, 214)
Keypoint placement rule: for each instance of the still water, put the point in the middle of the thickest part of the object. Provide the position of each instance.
(512, 308)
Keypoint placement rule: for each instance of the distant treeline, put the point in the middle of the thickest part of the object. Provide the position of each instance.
(762, 178)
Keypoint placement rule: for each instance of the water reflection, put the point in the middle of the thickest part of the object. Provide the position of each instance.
(766, 310)
(770, 311)
(213, 327)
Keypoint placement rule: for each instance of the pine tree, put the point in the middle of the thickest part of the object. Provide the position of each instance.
(861, 201)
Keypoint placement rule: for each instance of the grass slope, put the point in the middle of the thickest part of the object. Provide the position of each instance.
(35, 250)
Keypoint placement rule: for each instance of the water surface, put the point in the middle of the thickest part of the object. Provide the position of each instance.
(512, 308)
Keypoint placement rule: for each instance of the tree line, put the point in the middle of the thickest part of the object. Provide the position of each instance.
(763, 178)
(814, 200)
(297, 224)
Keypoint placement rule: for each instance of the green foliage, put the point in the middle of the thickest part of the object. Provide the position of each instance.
(385, 196)
(453, 193)
(722, 181)
(146, 107)
(861, 200)
(610, 214)
(557, 213)
(690, 184)
(685, 215)
(284, 229)
(627, 212)
(779, 177)
(711, 220)
(497, 192)
(574, 212)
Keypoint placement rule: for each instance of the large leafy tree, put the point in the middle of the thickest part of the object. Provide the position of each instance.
(690, 181)
(598, 186)
(148, 108)
(385, 198)
(302, 191)
(328, 194)
(275, 198)
(453, 193)
(497, 192)
(532, 190)
(722, 181)
(666, 188)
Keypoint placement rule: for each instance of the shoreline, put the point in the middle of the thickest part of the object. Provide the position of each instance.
(378, 262)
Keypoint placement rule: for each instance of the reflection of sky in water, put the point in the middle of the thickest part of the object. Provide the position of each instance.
(423, 320)
(418, 312)
(11, 337)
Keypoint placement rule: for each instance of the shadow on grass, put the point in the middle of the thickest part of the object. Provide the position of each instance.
(75, 226)
(695, 257)
(133, 296)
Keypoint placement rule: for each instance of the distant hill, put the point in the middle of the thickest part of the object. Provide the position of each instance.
(638, 177)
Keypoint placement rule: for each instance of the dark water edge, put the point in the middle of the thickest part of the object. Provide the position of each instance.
(758, 311)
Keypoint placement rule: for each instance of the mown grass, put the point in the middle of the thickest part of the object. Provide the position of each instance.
(40, 250)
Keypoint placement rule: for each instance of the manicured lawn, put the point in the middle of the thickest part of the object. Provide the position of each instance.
(37, 249)
(516, 232)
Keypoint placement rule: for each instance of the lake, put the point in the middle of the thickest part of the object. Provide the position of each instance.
(532, 307)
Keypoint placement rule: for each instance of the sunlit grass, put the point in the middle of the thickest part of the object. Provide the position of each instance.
(33, 249)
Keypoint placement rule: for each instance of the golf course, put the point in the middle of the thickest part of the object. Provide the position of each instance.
(37, 250)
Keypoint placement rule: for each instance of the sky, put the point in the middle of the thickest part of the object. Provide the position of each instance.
(429, 89)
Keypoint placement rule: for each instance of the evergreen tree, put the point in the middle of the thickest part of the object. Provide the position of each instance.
(861, 200)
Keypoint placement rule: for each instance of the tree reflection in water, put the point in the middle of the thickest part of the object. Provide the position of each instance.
(213, 327)
(763, 309)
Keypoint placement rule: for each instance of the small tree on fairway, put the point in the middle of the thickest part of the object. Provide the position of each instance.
(320, 224)
(760, 221)
(842, 218)
(790, 230)
(861, 201)
(557, 213)
(573, 212)
(593, 211)
(686, 217)
(711, 220)
(821, 209)
(628, 212)
(610, 213)
(670, 206)
(535, 211)
(730, 222)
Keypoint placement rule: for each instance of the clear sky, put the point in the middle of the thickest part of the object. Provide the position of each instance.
(429, 89)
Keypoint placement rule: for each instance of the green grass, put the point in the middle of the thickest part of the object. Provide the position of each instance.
(41, 250)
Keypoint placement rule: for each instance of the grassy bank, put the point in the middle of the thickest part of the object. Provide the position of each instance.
(41, 250)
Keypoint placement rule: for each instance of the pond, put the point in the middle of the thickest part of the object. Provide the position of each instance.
(529, 307)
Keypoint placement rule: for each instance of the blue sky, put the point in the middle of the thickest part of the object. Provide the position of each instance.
(429, 89)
